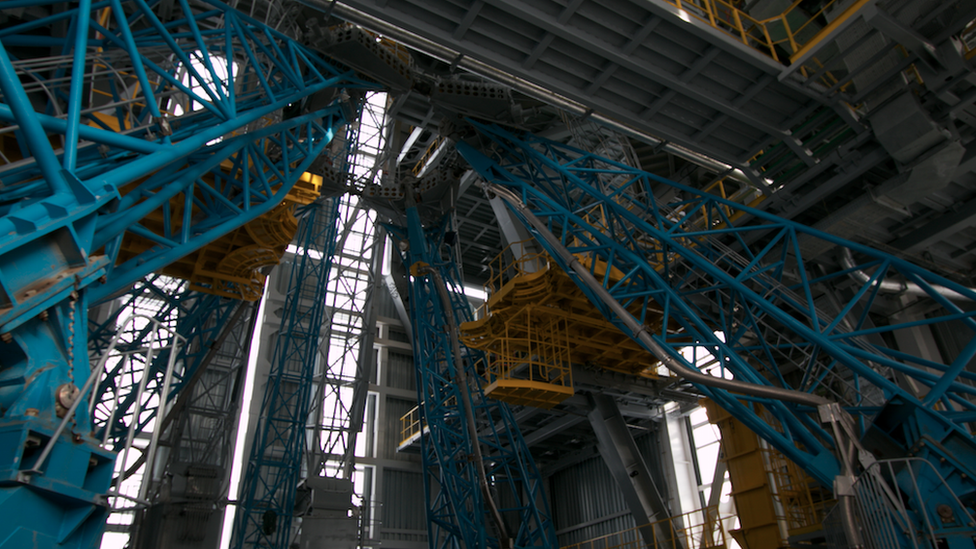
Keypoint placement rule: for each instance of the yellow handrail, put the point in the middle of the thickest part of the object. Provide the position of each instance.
(764, 35)
(419, 167)
(701, 529)
(410, 425)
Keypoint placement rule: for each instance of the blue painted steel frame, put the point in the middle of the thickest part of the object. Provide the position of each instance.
(63, 215)
(224, 174)
(456, 513)
(274, 468)
(690, 261)
(276, 463)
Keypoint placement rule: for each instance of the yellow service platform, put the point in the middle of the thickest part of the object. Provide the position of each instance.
(536, 323)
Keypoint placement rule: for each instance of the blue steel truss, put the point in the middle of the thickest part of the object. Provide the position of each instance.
(172, 133)
(277, 462)
(730, 282)
(457, 514)
(156, 168)
(275, 465)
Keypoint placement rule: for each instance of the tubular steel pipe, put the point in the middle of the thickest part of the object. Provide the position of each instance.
(462, 381)
(845, 454)
(34, 134)
(77, 86)
(845, 443)
(639, 331)
(895, 286)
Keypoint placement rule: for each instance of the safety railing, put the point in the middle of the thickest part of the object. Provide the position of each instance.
(531, 345)
(784, 37)
(804, 502)
(717, 217)
(410, 425)
(502, 269)
(146, 393)
(533, 326)
(881, 493)
(431, 149)
(701, 529)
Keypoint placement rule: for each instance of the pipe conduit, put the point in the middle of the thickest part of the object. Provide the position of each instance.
(844, 441)
(461, 378)
(639, 331)
(896, 286)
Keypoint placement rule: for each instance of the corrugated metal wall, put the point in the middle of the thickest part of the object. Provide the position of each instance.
(586, 493)
(586, 502)
(400, 372)
(372, 367)
(403, 506)
(396, 334)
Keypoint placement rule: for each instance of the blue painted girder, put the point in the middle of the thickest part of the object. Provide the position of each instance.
(64, 213)
(457, 514)
(275, 465)
(204, 172)
(751, 307)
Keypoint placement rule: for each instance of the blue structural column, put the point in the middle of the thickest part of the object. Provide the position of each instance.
(275, 465)
(460, 512)
(726, 284)
(277, 462)
(169, 132)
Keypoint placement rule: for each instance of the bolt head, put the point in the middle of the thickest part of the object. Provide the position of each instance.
(64, 396)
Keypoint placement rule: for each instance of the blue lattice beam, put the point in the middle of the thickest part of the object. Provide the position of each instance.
(458, 513)
(274, 467)
(170, 133)
(751, 309)
(197, 317)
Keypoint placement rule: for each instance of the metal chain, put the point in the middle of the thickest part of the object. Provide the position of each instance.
(71, 336)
